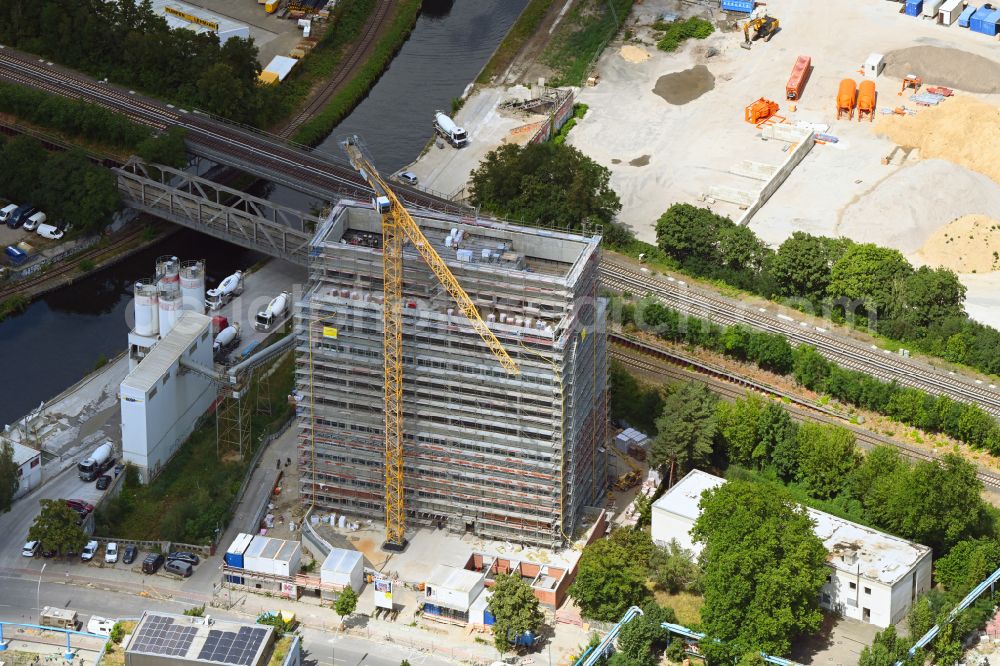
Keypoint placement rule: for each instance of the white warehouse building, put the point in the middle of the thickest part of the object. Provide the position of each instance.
(874, 577)
(160, 400)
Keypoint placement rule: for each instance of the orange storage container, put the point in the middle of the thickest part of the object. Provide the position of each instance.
(866, 99)
(846, 96)
(800, 72)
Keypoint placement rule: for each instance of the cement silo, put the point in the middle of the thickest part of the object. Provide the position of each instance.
(193, 285)
(168, 269)
(170, 303)
(147, 303)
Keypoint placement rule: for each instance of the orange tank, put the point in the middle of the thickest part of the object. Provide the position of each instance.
(866, 100)
(846, 95)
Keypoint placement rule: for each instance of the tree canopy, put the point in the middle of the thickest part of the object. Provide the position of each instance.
(545, 184)
(763, 567)
(608, 581)
(686, 428)
(515, 608)
(346, 603)
(8, 477)
(870, 276)
(56, 527)
(826, 454)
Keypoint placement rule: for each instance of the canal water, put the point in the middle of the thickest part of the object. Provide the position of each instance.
(60, 337)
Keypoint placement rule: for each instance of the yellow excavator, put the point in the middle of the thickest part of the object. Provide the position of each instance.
(759, 27)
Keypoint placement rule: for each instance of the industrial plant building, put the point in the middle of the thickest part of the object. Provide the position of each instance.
(512, 457)
(874, 577)
(181, 15)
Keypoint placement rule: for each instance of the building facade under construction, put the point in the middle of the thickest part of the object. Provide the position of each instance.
(512, 457)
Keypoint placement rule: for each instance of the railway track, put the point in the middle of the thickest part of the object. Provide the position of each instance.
(72, 264)
(668, 363)
(245, 148)
(848, 353)
(357, 53)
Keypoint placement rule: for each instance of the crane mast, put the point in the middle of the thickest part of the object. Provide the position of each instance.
(397, 226)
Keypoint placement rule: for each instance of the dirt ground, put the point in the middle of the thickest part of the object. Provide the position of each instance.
(690, 138)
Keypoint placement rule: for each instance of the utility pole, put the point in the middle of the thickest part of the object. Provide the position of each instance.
(38, 592)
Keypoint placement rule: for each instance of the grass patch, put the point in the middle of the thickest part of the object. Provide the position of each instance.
(686, 605)
(579, 111)
(281, 647)
(676, 33)
(13, 305)
(344, 101)
(581, 37)
(523, 29)
(194, 494)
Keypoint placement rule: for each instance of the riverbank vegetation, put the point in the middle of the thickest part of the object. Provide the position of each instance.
(524, 29)
(67, 186)
(581, 37)
(349, 95)
(190, 499)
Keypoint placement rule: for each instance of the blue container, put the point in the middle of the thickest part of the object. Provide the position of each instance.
(431, 609)
(16, 255)
(745, 6)
(966, 16)
(234, 560)
(488, 618)
(977, 20)
(236, 580)
(990, 23)
(914, 7)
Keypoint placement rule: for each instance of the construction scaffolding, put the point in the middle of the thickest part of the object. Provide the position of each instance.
(507, 457)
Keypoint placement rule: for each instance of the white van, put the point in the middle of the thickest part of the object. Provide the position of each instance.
(49, 231)
(35, 221)
(6, 212)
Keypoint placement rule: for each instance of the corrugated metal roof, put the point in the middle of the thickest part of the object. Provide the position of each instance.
(453, 578)
(341, 560)
(167, 351)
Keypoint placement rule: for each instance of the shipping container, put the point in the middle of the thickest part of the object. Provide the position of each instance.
(980, 21)
(800, 73)
(966, 16)
(743, 6)
(874, 64)
(950, 10)
(932, 7)
(990, 23)
(914, 7)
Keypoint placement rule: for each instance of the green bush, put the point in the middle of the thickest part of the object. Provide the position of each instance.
(677, 32)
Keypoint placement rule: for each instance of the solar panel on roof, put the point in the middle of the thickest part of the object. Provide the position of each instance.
(233, 647)
(159, 635)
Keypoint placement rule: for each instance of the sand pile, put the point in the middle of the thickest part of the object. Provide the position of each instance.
(634, 54)
(961, 129)
(905, 209)
(969, 244)
(945, 67)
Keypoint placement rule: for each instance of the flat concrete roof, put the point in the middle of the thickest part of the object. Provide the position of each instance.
(341, 560)
(226, 25)
(453, 578)
(852, 548)
(189, 326)
(23, 454)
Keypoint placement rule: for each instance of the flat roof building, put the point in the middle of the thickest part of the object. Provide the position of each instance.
(181, 15)
(166, 639)
(875, 576)
(160, 400)
(516, 458)
(29, 469)
(449, 593)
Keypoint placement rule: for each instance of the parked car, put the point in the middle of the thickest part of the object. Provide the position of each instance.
(80, 505)
(119, 468)
(6, 212)
(52, 552)
(408, 177)
(152, 563)
(131, 552)
(89, 551)
(178, 568)
(100, 626)
(31, 548)
(49, 231)
(34, 221)
(111, 553)
(103, 481)
(21, 215)
(184, 556)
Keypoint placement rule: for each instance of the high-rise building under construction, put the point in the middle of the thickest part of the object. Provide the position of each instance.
(514, 457)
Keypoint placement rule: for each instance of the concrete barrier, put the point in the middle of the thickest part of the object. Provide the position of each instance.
(755, 170)
(806, 140)
(732, 195)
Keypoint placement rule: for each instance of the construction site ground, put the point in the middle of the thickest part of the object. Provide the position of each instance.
(661, 152)
(273, 36)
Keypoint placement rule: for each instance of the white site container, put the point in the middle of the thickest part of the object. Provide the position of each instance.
(932, 7)
(950, 10)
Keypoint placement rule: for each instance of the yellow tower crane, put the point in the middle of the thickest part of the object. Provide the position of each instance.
(397, 226)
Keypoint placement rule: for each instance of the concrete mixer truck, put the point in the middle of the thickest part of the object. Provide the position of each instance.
(230, 287)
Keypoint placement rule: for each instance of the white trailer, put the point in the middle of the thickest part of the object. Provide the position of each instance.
(950, 10)
(932, 7)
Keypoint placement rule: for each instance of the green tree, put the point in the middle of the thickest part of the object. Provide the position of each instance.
(763, 567)
(673, 569)
(969, 562)
(545, 184)
(871, 483)
(346, 603)
(810, 368)
(688, 232)
(56, 527)
(885, 650)
(608, 581)
(801, 266)
(752, 429)
(642, 640)
(741, 250)
(827, 455)
(8, 477)
(869, 275)
(930, 295)
(515, 608)
(686, 428)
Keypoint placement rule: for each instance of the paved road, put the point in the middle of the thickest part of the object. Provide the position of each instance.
(18, 604)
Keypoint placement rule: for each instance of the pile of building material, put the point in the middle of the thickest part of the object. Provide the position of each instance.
(631, 439)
